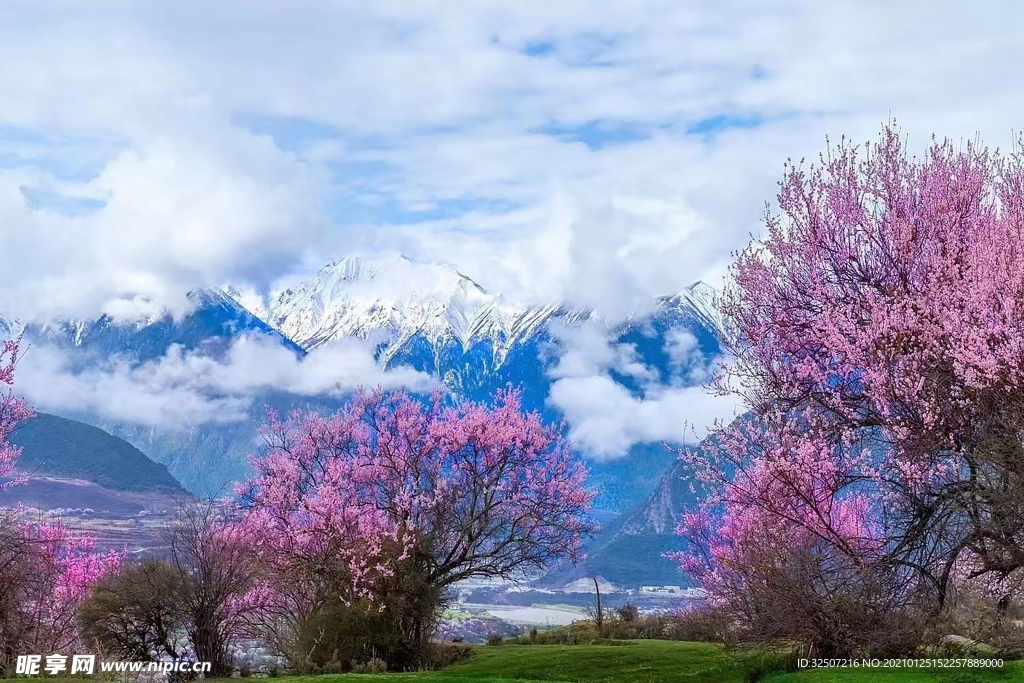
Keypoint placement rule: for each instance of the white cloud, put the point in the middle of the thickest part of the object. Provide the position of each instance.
(688, 362)
(605, 418)
(132, 309)
(478, 112)
(588, 350)
(179, 212)
(185, 390)
(549, 150)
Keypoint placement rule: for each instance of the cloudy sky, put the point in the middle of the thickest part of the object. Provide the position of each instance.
(599, 151)
(595, 151)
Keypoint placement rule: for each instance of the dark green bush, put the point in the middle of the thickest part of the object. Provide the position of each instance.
(761, 665)
(395, 628)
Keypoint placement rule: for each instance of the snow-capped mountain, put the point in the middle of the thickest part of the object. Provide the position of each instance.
(398, 299)
(431, 318)
(703, 303)
(210, 326)
(10, 328)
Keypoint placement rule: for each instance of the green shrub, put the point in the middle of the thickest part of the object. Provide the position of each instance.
(395, 628)
(761, 665)
(375, 665)
(628, 613)
(436, 656)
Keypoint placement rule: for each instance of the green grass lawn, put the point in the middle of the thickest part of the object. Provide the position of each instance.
(647, 661)
(642, 661)
(1010, 672)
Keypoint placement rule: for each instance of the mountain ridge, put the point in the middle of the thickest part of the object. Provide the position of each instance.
(447, 326)
(339, 301)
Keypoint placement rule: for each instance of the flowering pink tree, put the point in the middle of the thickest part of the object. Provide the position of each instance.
(13, 411)
(447, 493)
(65, 568)
(881, 353)
(217, 559)
(45, 570)
(485, 491)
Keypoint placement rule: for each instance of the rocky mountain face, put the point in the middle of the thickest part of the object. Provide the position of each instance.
(630, 549)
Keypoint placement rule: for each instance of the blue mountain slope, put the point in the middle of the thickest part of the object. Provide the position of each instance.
(472, 374)
(209, 328)
(474, 342)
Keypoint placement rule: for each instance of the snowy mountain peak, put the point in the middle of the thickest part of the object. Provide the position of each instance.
(704, 302)
(10, 328)
(382, 276)
(399, 299)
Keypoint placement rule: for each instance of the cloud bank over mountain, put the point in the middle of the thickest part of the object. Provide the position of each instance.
(606, 418)
(598, 153)
(394, 324)
(186, 389)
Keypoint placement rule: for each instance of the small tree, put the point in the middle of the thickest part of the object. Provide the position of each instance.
(135, 613)
(598, 612)
(19, 579)
(628, 613)
(216, 560)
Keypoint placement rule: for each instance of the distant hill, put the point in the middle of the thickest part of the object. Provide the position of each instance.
(59, 447)
(429, 317)
(630, 549)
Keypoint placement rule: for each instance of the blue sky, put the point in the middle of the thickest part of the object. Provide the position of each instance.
(594, 152)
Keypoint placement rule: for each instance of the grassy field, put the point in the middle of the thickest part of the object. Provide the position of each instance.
(642, 661)
(647, 661)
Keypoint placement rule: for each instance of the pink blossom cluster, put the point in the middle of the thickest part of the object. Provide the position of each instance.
(70, 567)
(67, 566)
(880, 350)
(468, 490)
(13, 411)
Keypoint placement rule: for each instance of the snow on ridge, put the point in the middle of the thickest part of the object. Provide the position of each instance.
(398, 299)
(355, 297)
(395, 300)
(10, 328)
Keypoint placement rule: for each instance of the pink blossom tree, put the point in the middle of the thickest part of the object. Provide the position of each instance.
(216, 557)
(880, 334)
(45, 570)
(444, 493)
(65, 567)
(13, 411)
